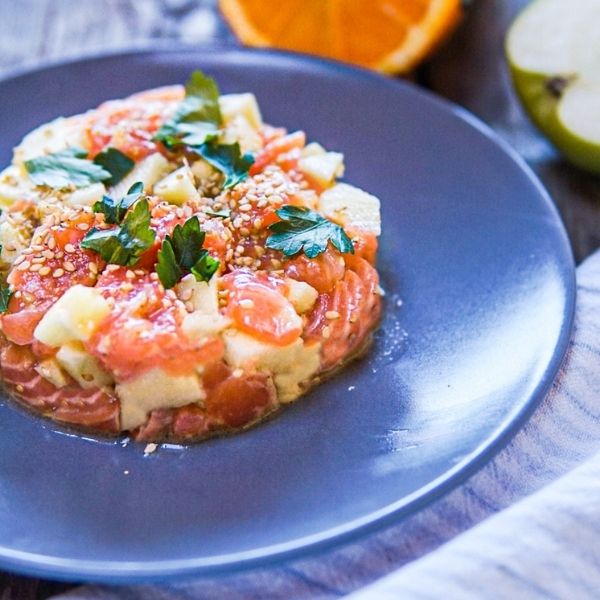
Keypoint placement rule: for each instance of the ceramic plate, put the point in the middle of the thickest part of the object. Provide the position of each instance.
(480, 295)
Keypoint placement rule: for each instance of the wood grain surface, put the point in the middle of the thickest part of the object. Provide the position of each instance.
(469, 70)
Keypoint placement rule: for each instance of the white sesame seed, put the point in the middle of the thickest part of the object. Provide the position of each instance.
(68, 247)
(44, 271)
(332, 314)
(24, 266)
(83, 226)
(58, 273)
(68, 266)
(326, 332)
(246, 303)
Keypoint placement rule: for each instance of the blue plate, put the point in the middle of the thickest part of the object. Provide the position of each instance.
(480, 296)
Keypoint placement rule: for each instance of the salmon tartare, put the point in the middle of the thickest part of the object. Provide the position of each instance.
(173, 268)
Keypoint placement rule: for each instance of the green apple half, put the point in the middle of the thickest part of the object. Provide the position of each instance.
(553, 51)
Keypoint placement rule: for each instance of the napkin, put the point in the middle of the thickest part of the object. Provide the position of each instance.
(527, 525)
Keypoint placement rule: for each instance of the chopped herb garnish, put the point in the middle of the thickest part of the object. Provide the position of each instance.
(123, 245)
(5, 296)
(198, 117)
(228, 159)
(114, 210)
(224, 213)
(116, 163)
(66, 168)
(182, 253)
(196, 126)
(304, 229)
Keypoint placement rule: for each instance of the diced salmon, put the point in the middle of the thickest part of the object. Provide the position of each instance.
(72, 404)
(258, 306)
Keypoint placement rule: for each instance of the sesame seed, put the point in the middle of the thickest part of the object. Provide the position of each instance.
(59, 254)
(139, 272)
(111, 268)
(83, 226)
(68, 266)
(19, 260)
(154, 276)
(35, 267)
(246, 303)
(44, 271)
(37, 248)
(58, 273)
(68, 247)
(332, 314)
(238, 373)
(52, 244)
(257, 223)
(93, 267)
(24, 266)
(244, 231)
(326, 332)
(20, 388)
(276, 263)
(48, 254)
(126, 287)
(130, 274)
(244, 207)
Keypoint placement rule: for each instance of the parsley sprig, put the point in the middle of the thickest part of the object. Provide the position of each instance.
(123, 245)
(71, 167)
(182, 253)
(196, 127)
(116, 163)
(303, 229)
(5, 293)
(198, 116)
(114, 210)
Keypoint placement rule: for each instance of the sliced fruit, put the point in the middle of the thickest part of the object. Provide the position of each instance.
(391, 36)
(552, 50)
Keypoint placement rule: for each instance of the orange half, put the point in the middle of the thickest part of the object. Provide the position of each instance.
(391, 36)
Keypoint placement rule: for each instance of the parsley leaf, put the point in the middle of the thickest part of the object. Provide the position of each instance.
(224, 213)
(196, 125)
(228, 159)
(5, 296)
(182, 253)
(116, 163)
(197, 118)
(66, 168)
(304, 229)
(125, 244)
(114, 210)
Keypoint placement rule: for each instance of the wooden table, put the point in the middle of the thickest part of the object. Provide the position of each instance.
(470, 70)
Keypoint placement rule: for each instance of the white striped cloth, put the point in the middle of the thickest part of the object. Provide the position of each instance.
(527, 525)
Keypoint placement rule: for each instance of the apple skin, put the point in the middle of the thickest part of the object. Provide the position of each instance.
(541, 103)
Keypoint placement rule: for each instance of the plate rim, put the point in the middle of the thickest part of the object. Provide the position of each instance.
(117, 572)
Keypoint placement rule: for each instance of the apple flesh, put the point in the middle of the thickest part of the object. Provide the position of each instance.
(553, 51)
